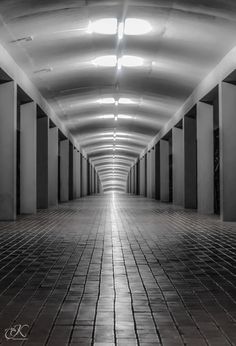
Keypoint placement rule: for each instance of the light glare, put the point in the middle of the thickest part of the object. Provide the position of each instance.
(120, 31)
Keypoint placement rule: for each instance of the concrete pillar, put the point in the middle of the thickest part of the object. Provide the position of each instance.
(28, 151)
(145, 175)
(95, 181)
(71, 171)
(142, 176)
(135, 179)
(78, 175)
(148, 178)
(74, 173)
(132, 180)
(205, 158)
(64, 170)
(138, 177)
(42, 162)
(89, 177)
(157, 172)
(128, 183)
(190, 163)
(164, 170)
(84, 177)
(153, 172)
(178, 166)
(96, 187)
(227, 125)
(53, 166)
(8, 151)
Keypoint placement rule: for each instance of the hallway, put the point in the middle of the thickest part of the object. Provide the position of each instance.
(118, 270)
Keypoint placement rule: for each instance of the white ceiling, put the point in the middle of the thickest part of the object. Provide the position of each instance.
(49, 40)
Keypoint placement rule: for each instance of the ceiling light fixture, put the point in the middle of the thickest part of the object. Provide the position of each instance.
(112, 61)
(131, 61)
(124, 116)
(106, 60)
(126, 101)
(110, 26)
(135, 26)
(105, 26)
(107, 116)
(108, 100)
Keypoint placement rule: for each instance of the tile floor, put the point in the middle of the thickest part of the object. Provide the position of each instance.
(117, 270)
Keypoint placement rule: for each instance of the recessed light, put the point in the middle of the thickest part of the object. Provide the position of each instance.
(131, 61)
(135, 26)
(124, 116)
(112, 61)
(124, 100)
(107, 116)
(104, 26)
(106, 60)
(107, 100)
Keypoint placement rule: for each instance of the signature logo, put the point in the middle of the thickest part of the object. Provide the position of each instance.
(17, 332)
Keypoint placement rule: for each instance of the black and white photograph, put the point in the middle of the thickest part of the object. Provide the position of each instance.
(117, 172)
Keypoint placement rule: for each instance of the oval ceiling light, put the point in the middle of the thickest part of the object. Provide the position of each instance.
(125, 101)
(106, 60)
(131, 61)
(107, 116)
(104, 26)
(124, 116)
(107, 100)
(135, 26)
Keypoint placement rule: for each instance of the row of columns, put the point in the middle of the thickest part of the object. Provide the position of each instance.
(194, 164)
(40, 167)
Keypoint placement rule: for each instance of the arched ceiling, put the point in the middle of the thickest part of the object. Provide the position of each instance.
(116, 71)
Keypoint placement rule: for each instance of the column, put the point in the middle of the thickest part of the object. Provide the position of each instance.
(53, 166)
(42, 162)
(75, 173)
(138, 178)
(78, 176)
(142, 176)
(153, 172)
(190, 163)
(205, 158)
(84, 175)
(148, 178)
(227, 125)
(164, 170)
(71, 171)
(64, 169)
(28, 151)
(178, 166)
(95, 181)
(145, 175)
(92, 180)
(157, 172)
(8, 151)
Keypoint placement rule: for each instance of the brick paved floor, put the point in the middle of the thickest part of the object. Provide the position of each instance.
(118, 271)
